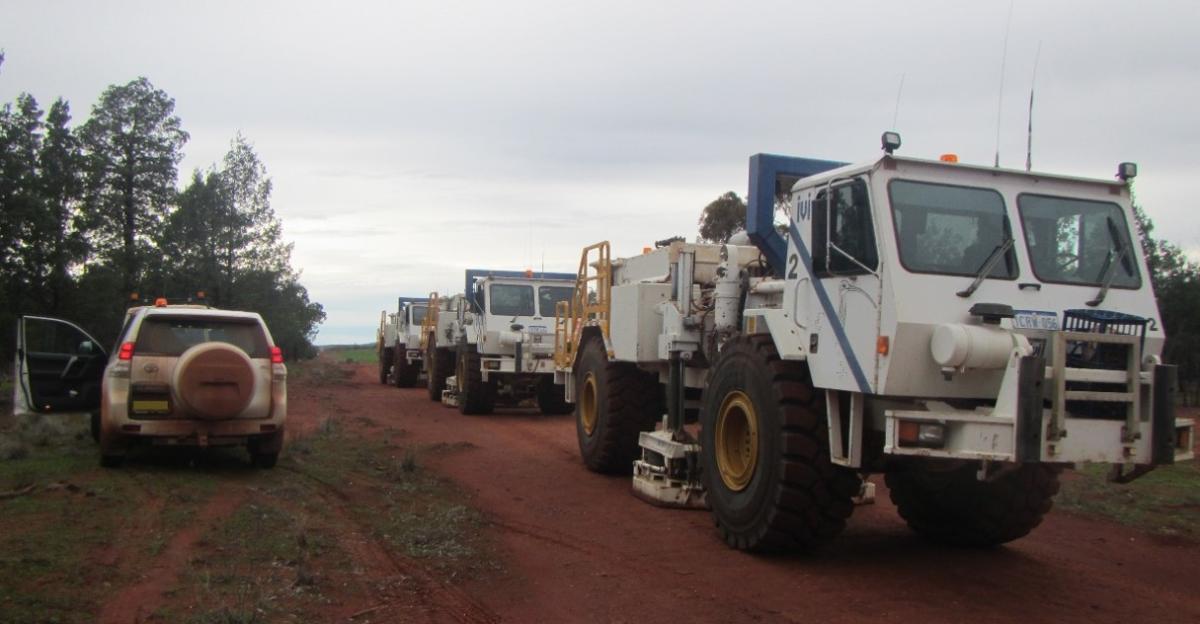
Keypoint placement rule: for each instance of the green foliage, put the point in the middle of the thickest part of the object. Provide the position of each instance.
(722, 217)
(225, 240)
(1176, 283)
(91, 214)
(1166, 501)
(132, 144)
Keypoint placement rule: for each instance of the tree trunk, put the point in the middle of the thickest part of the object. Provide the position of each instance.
(129, 231)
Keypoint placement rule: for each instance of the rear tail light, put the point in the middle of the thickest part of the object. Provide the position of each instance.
(126, 352)
(276, 355)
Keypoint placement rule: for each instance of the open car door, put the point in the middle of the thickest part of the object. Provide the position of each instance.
(59, 367)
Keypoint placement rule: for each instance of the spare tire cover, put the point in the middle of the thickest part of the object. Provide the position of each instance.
(214, 380)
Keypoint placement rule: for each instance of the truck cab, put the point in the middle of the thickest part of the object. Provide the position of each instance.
(936, 282)
(504, 338)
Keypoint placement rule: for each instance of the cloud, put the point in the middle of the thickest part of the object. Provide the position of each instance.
(408, 141)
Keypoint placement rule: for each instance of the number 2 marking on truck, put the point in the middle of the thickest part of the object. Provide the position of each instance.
(793, 261)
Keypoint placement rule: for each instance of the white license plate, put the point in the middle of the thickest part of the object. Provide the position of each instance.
(537, 329)
(1035, 319)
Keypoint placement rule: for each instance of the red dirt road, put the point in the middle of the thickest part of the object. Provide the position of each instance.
(578, 547)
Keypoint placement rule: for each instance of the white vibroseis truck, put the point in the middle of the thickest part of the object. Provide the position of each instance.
(503, 340)
(967, 331)
(407, 356)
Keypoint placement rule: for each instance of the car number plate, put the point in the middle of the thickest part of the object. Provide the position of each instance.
(1035, 319)
(537, 329)
(151, 407)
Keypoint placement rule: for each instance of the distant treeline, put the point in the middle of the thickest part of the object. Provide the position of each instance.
(91, 213)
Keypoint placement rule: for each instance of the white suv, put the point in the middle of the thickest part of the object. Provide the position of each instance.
(180, 375)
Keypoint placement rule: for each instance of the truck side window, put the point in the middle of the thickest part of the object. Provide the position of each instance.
(848, 227)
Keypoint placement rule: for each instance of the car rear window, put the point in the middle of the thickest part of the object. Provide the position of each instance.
(165, 335)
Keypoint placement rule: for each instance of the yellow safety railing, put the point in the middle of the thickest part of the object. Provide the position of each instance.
(590, 304)
(429, 323)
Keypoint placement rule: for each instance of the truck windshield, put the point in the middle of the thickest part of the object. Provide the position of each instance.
(1076, 241)
(166, 335)
(418, 314)
(950, 229)
(511, 300)
(549, 296)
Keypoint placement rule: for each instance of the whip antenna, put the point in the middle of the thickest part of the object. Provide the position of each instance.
(896, 111)
(1000, 95)
(1029, 136)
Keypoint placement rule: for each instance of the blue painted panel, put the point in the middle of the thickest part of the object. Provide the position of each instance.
(765, 170)
(400, 301)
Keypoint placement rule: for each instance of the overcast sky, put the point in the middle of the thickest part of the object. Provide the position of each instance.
(408, 141)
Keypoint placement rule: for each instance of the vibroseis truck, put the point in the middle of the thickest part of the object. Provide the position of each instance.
(398, 342)
(967, 331)
(499, 333)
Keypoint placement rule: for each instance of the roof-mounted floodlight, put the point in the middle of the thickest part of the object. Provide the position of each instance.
(891, 141)
(1127, 171)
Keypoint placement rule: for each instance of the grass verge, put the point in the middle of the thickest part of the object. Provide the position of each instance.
(64, 523)
(1164, 502)
(352, 354)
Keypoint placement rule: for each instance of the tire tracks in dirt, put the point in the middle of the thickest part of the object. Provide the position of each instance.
(435, 599)
(140, 599)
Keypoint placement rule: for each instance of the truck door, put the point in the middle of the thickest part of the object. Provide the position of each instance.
(59, 367)
(844, 302)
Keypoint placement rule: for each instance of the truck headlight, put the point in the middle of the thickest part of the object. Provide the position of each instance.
(922, 434)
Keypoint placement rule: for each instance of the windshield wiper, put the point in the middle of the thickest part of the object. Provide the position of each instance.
(987, 267)
(1116, 256)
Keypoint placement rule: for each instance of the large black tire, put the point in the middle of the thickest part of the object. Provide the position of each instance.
(264, 450)
(551, 399)
(475, 396)
(954, 507)
(765, 457)
(438, 365)
(614, 402)
(385, 364)
(265, 461)
(404, 373)
(112, 448)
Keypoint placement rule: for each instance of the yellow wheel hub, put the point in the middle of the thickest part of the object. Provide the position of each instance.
(736, 440)
(587, 404)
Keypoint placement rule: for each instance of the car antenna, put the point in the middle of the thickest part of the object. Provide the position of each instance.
(1000, 94)
(896, 110)
(1029, 135)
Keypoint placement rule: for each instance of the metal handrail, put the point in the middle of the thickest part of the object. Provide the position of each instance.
(429, 323)
(594, 277)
